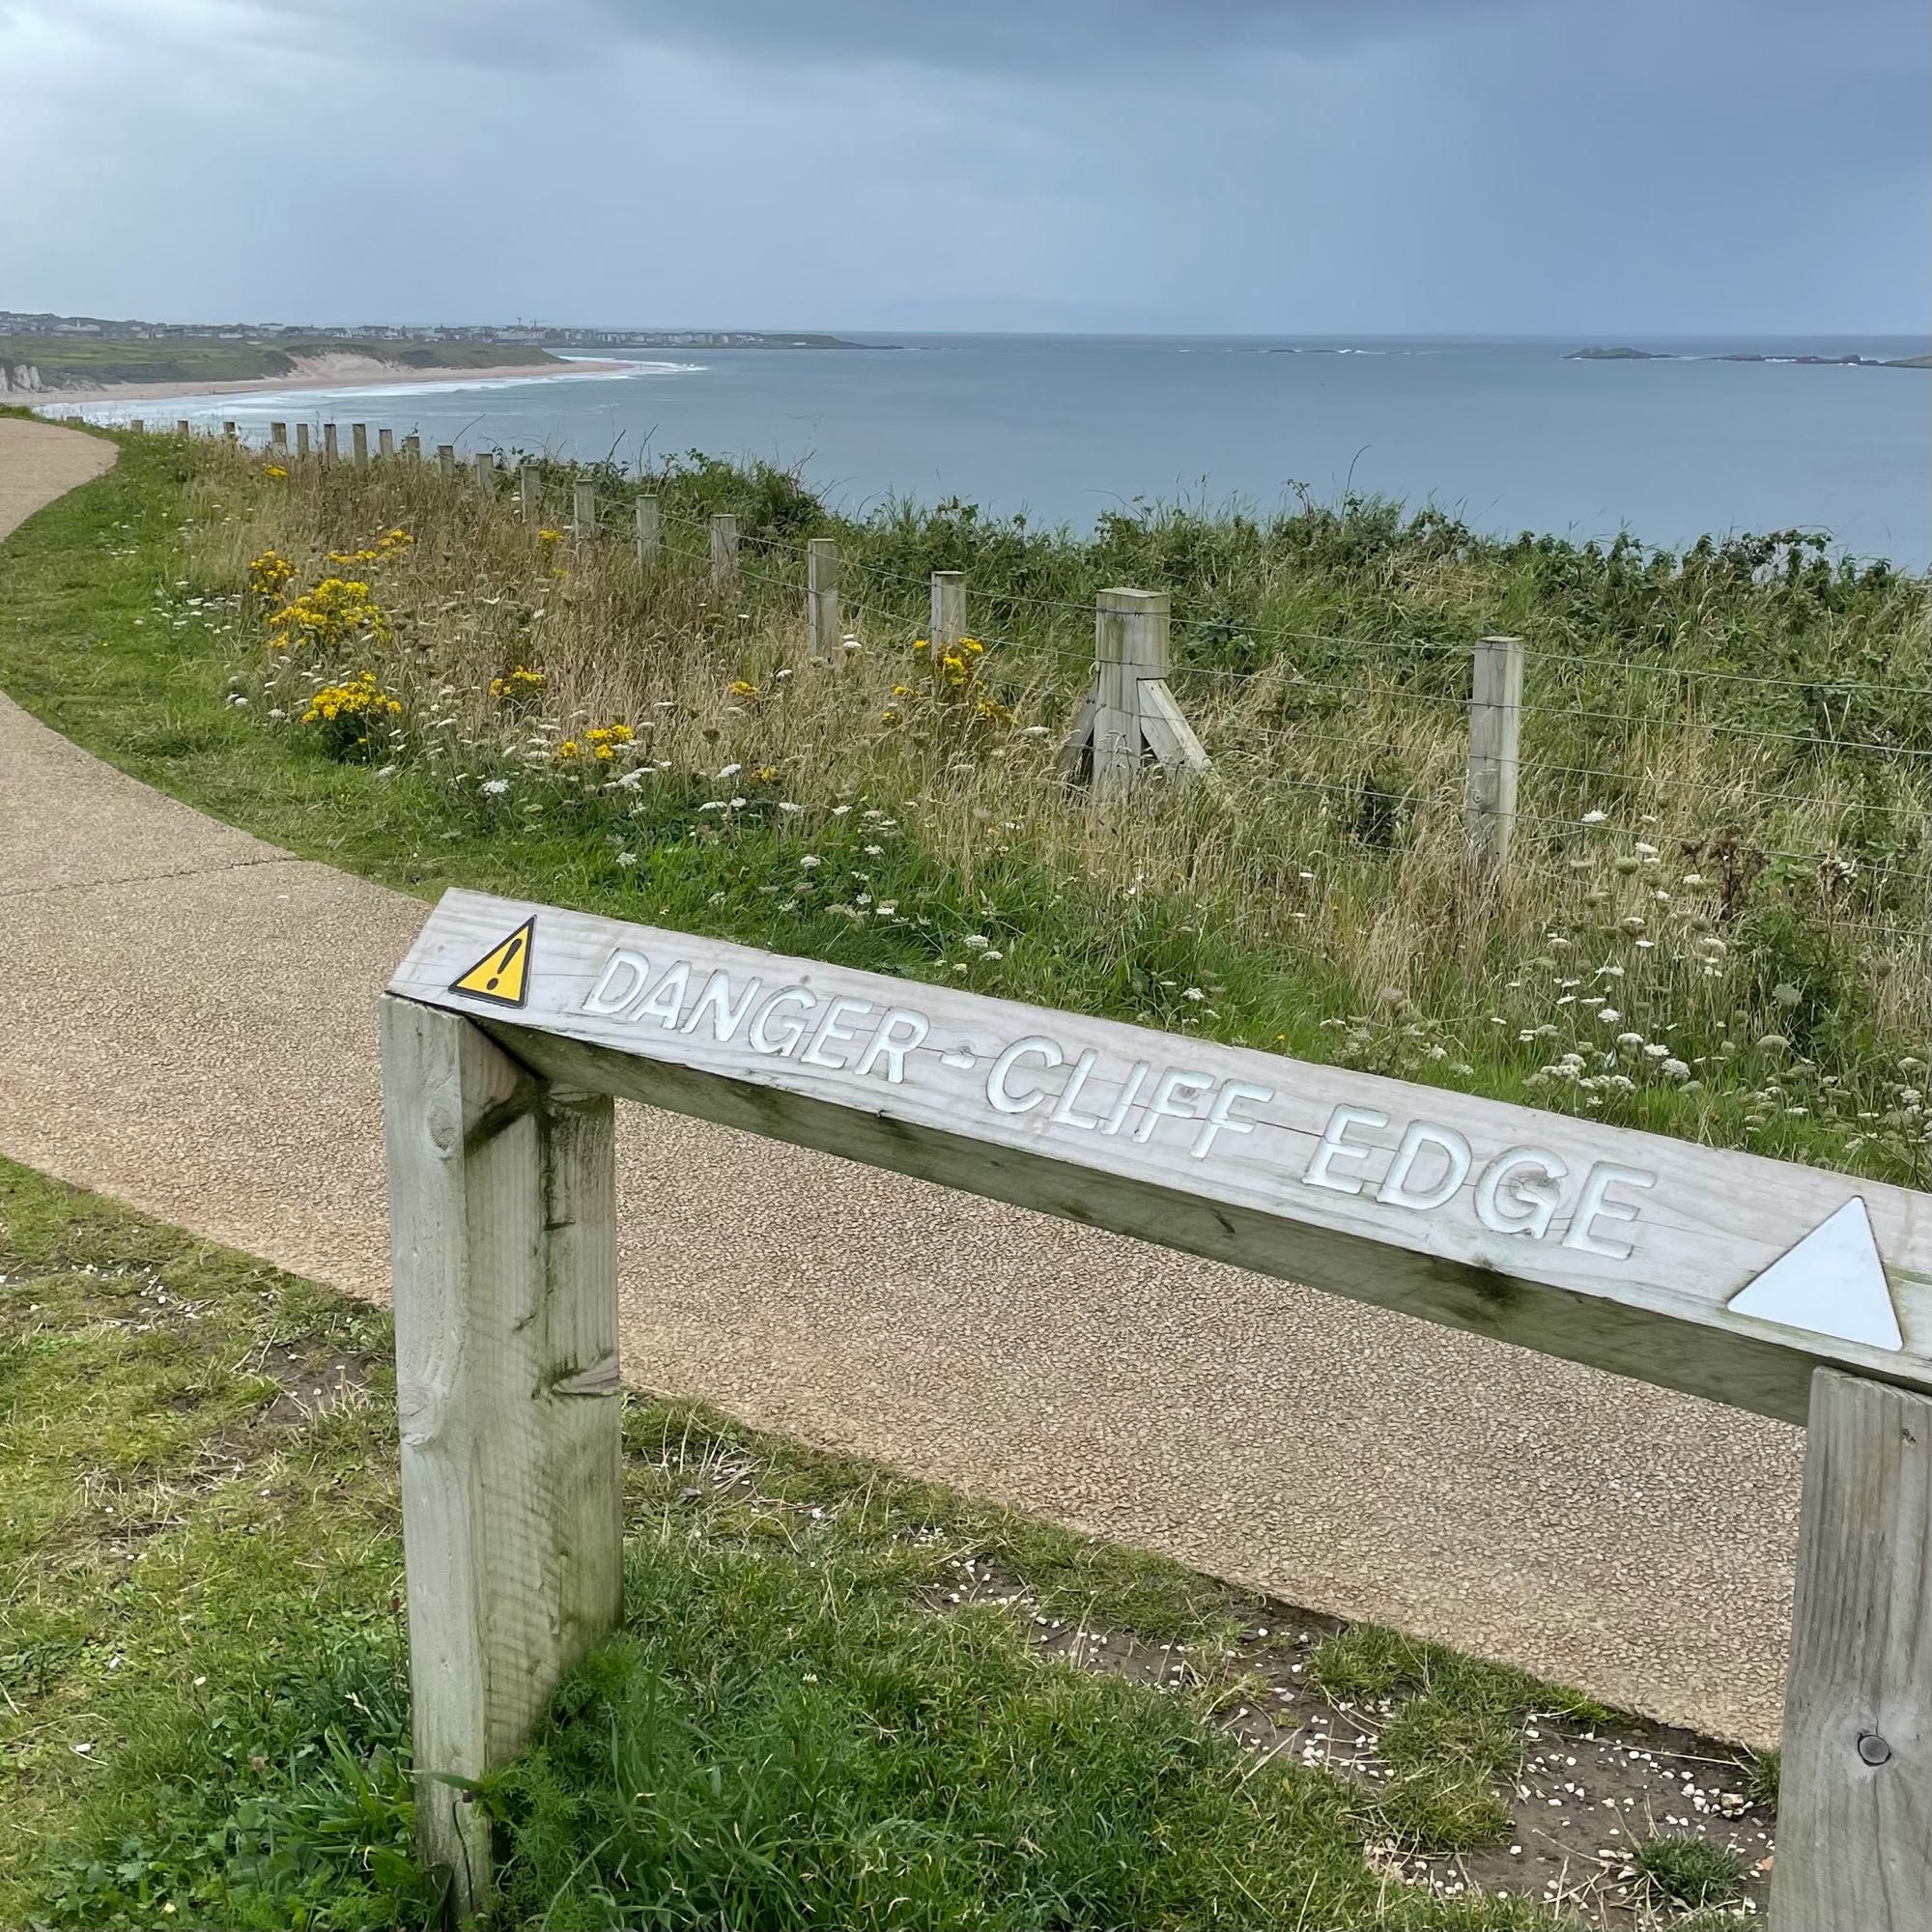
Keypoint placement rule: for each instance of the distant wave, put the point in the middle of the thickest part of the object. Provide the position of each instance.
(457, 384)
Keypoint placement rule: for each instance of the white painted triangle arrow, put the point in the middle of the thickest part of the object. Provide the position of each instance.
(1830, 1283)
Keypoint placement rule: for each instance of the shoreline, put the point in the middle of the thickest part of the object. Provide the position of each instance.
(365, 376)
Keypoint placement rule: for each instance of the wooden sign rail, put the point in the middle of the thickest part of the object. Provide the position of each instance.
(510, 1028)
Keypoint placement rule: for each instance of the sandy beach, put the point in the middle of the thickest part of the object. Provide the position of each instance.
(314, 371)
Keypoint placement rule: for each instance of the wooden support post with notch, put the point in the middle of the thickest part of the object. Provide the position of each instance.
(1129, 716)
(1855, 1785)
(503, 1217)
(1495, 727)
(821, 599)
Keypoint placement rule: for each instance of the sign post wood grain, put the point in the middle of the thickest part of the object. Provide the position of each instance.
(1720, 1273)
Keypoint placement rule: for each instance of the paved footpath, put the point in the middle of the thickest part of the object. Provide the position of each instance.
(186, 1023)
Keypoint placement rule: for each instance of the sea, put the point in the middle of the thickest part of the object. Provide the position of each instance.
(1509, 436)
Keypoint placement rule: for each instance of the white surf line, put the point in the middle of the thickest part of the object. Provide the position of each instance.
(239, 403)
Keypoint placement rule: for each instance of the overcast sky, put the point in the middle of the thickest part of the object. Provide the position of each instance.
(1587, 167)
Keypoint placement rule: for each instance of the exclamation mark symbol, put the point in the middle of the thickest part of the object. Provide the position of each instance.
(503, 964)
(504, 973)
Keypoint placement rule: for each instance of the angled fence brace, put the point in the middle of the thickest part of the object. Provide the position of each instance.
(1129, 716)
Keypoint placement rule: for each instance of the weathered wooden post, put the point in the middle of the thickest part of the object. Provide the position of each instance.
(582, 510)
(358, 445)
(445, 460)
(650, 534)
(385, 442)
(486, 472)
(138, 425)
(230, 432)
(821, 597)
(1130, 713)
(724, 553)
(1855, 1784)
(1117, 724)
(502, 1230)
(947, 613)
(529, 492)
(329, 448)
(1495, 724)
(301, 442)
(413, 447)
(278, 436)
(182, 426)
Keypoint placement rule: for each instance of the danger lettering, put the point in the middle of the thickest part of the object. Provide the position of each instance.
(1414, 1166)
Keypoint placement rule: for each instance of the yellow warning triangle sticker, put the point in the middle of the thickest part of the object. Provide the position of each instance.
(504, 973)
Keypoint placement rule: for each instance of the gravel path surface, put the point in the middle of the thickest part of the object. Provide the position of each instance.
(186, 1023)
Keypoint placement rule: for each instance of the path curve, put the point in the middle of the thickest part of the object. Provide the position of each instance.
(187, 1024)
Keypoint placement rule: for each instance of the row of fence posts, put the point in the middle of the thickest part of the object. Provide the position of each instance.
(1128, 720)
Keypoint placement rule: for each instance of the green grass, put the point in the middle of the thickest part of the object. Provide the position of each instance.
(73, 360)
(203, 1684)
(1691, 1871)
(127, 637)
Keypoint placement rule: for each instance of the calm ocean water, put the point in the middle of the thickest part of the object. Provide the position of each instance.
(1509, 435)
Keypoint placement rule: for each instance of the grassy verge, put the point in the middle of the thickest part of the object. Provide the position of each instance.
(839, 1699)
(1729, 946)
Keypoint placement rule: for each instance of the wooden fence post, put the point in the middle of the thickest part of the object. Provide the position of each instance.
(486, 470)
(445, 459)
(821, 597)
(504, 1242)
(583, 511)
(1117, 732)
(529, 492)
(1495, 724)
(278, 436)
(723, 551)
(413, 447)
(385, 442)
(230, 431)
(330, 451)
(1128, 711)
(138, 425)
(1855, 1786)
(358, 443)
(650, 534)
(182, 426)
(301, 442)
(946, 615)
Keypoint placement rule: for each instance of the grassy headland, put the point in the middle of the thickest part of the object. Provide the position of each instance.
(79, 361)
(1715, 924)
